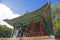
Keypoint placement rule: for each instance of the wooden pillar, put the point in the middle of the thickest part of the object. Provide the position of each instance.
(37, 29)
(41, 28)
(31, 30)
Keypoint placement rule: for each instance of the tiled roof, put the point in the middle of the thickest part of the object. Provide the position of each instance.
(31, 16)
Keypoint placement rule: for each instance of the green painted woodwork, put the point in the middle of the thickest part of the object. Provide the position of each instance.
(27, 18)
(43, 14)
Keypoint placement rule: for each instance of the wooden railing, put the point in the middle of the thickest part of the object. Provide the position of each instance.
(34, 34)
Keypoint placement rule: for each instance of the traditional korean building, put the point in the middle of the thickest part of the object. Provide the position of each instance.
(36, 23)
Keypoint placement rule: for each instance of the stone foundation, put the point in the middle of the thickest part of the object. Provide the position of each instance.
(31, 38)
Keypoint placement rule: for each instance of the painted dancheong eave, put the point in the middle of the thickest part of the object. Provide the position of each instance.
(32, 15)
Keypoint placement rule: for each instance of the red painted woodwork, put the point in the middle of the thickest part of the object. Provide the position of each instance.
(31, 30)
(41, 28)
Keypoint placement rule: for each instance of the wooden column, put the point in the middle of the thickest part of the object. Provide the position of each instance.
(31, 30)
(41, 28)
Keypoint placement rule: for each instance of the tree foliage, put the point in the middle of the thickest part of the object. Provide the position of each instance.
(4, 31)
(56, 18)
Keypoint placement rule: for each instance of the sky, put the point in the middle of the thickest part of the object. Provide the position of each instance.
(10, 9)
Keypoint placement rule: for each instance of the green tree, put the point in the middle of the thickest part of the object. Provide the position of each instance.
(4, 31)
(56, 18)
